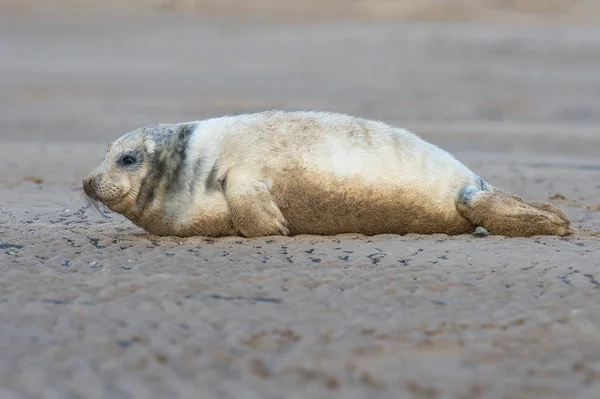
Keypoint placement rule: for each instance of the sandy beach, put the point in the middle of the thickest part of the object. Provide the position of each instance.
(92, 307)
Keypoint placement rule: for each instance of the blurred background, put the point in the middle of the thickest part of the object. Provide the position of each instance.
(89, 70)
(90, 307)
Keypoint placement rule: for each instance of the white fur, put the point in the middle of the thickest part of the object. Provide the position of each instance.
(391, 156)
(331, 150)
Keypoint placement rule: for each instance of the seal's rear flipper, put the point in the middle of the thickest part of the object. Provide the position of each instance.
(544, 206)
(506, 214)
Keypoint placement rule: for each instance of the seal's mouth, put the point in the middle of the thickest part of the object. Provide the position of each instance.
(92, 198)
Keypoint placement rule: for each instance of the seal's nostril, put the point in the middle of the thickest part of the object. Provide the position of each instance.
(88, 185)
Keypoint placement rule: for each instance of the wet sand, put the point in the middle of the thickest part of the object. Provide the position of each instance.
(92, 307)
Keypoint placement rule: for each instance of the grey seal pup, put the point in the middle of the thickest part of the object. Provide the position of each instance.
(287, 173)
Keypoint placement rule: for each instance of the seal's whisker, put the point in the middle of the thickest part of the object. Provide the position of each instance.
(95, 204)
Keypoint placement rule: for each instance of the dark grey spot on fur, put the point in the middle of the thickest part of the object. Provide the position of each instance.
(482, 185)
(466, 194)
(211, 179)
(159, 134)
(179, 181)
(183, 136)
(176, 178)
(160, 139)
(156, 169)
(167, 164)
(197, 169)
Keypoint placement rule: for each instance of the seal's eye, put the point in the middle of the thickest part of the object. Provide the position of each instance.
(127, 160)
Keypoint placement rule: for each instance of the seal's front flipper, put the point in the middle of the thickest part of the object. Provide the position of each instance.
(253, 212)
(506, 214)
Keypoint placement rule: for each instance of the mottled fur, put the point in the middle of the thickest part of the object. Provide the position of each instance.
(285, 173)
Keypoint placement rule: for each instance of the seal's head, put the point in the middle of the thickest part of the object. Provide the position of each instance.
(128, 178)
(117, 180)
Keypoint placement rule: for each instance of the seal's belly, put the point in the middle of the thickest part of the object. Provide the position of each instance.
(324, 204)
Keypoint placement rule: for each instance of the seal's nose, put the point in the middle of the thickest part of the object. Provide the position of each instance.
(88, 185)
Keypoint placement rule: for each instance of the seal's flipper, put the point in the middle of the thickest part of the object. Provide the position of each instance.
(253, 211)
(506, 214)
(544, 206)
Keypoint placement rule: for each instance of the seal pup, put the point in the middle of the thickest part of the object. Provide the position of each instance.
(287, 173)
